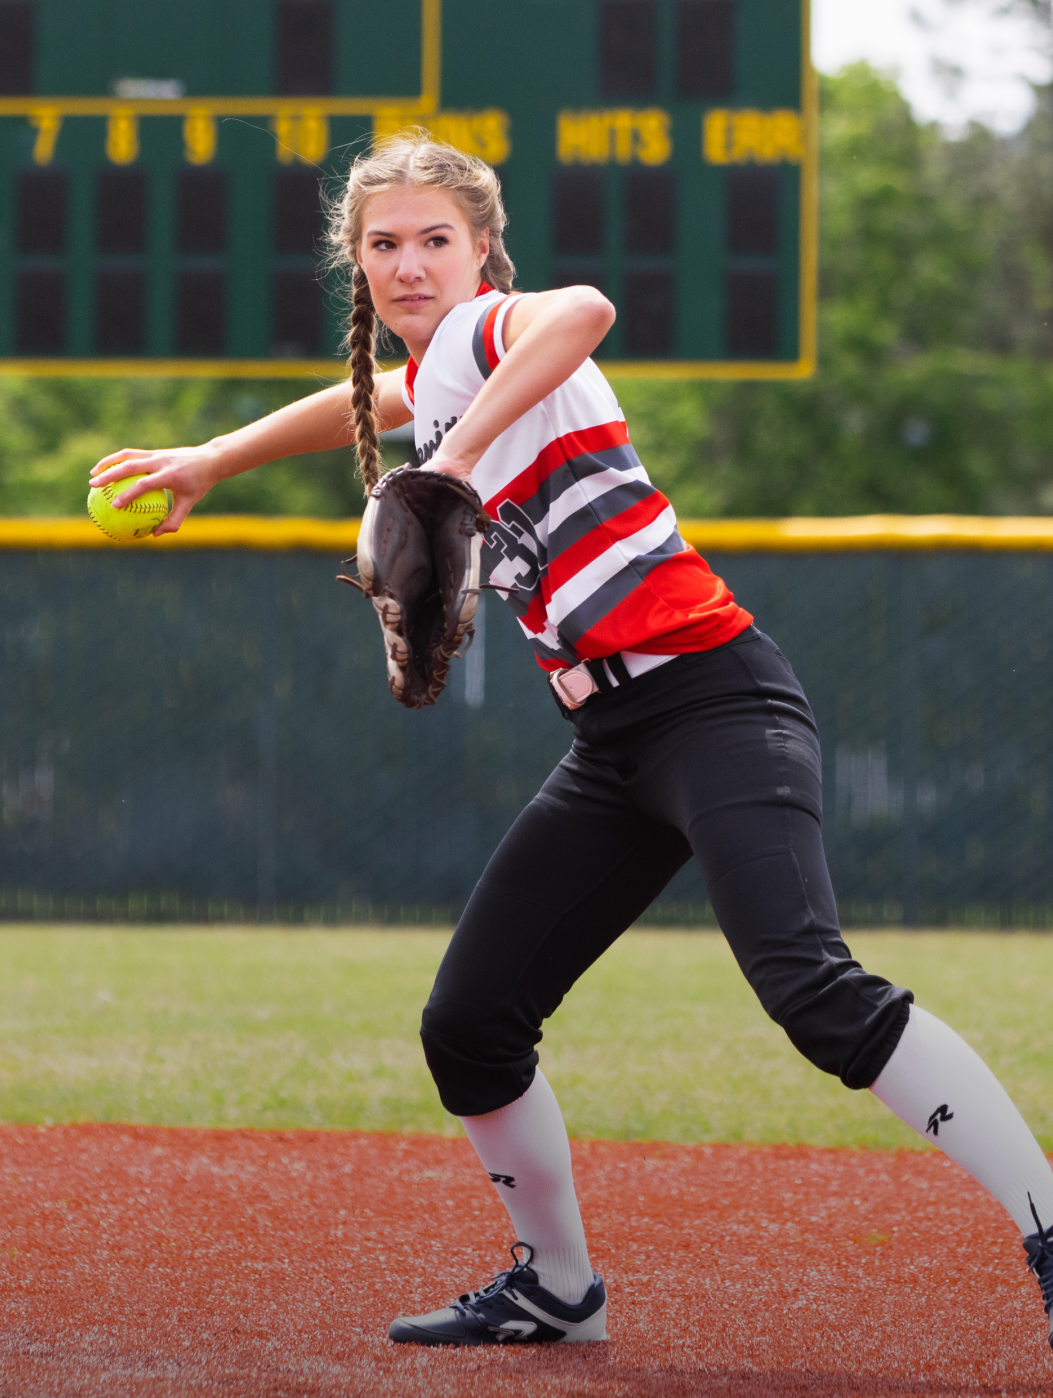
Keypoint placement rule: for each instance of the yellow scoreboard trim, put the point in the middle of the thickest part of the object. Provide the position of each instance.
(340, 536)
(426, 103)
(328, 369)
(334, 369)
(808, 279)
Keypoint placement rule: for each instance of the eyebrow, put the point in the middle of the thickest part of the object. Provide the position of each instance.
(434, 228)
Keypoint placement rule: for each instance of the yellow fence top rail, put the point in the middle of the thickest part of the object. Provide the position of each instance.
(800, 535)
(283, 533)
(871, 532)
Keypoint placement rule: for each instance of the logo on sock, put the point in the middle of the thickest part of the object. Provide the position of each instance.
(940, 1114)
(509, 1180)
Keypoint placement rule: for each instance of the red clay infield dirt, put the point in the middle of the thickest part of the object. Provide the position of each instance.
(153, 1261)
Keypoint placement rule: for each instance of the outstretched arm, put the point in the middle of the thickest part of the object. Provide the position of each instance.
(319, 422)
(547, 337)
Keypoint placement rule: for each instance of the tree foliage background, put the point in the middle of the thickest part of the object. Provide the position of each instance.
(935, 382)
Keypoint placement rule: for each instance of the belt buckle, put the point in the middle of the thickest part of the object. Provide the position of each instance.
(573, 686)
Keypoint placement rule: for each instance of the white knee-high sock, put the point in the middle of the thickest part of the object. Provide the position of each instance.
(525, 1151)
(938, 1085)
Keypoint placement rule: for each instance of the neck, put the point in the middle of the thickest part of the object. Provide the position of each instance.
(418, 348)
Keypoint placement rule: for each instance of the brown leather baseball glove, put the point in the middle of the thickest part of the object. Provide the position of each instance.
(418, 562)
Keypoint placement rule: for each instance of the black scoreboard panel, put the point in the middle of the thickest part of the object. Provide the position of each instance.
(164, 169)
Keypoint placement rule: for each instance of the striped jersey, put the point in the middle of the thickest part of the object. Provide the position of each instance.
(582, 546)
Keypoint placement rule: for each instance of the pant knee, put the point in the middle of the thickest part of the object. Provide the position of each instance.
(849, 1027)
(478, 1065)
(780, 918)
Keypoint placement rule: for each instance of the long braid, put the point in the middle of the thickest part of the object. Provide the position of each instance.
(363, 368)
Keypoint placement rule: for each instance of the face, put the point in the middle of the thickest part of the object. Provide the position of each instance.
(421, 259)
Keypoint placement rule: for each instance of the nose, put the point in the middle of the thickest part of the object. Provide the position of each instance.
(410, 267)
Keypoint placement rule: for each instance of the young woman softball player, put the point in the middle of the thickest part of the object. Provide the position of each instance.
(692, 737)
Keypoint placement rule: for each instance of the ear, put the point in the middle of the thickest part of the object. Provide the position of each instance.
(482, 249)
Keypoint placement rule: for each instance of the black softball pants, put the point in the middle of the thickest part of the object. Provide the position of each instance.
(715, 755)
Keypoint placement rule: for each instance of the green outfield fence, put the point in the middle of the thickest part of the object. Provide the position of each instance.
(199, 729)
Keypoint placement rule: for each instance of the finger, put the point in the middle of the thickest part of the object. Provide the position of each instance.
(134, 491)
(113, 474)
(116, 457)
(179, 513)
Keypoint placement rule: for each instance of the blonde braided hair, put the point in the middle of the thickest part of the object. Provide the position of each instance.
(361, 341)
(415, 161)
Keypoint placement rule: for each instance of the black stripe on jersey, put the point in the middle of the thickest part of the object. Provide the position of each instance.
(479, 348)
(606, 597)
(577, 468)
(512, 526)
(596, 511)
(514, 534)
(567, 654)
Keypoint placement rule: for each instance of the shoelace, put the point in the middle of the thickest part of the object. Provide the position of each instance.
(500, 1282)
(1040, 1255)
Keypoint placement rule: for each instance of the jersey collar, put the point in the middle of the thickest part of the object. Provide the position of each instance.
(411, 364)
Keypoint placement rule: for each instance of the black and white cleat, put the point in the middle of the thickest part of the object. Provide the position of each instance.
(1039, 1249)
(512, 1309)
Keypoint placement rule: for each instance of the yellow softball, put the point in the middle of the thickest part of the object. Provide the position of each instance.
(136, 520)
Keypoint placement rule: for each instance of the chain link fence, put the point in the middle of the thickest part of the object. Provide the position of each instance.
(207, 735)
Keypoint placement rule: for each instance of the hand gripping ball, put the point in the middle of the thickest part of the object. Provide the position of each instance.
(136, 520)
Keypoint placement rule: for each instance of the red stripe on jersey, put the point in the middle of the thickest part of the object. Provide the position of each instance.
(489, 347)
(651, 619)
(536, 615)
(552, 456)
(580, 554)
(411, 364)
(411, 374)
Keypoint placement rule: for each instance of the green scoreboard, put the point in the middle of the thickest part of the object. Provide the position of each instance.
(164, 170)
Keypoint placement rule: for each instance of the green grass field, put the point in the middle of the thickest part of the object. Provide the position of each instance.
(282, 1029)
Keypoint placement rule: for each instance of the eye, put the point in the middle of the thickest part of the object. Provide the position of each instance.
(437, 240)
(382, 245)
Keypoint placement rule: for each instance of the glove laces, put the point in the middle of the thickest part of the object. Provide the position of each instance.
(1039, 1249)
(501, 1280)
